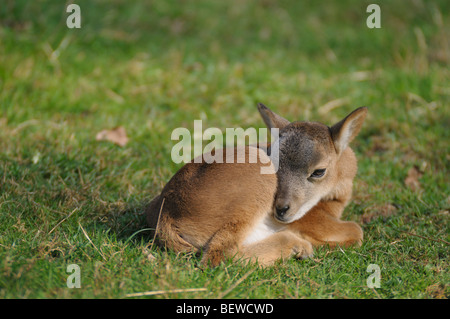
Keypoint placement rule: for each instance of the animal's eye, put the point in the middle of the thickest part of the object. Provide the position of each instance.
(318, 173)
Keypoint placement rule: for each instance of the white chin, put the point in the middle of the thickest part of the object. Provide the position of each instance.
(306, 207)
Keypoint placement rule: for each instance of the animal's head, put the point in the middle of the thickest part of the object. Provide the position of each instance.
(307, 156)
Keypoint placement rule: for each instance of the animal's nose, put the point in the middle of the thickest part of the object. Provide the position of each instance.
(281, 211)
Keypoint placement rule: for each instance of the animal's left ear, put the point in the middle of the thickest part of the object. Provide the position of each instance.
(346, 130)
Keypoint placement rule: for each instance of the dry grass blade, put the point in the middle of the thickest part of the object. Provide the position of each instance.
(85, 234)
(162, 292)
(64, 219)
(226, 292)
(157, 223)
(327, 107)
(427, 238)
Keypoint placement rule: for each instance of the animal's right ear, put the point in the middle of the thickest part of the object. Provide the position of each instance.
(271, 119)
(346, 130)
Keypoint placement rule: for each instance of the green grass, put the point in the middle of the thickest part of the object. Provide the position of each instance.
(153, 66)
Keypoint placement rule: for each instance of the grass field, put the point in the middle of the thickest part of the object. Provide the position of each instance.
(153, 66)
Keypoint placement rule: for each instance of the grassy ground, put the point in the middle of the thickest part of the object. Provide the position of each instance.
(153, 66)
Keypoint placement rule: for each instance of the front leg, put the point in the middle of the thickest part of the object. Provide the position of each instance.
(224, 243)
(281, 245)
(320, 226)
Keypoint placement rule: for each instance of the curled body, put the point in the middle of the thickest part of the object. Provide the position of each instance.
(232, 210)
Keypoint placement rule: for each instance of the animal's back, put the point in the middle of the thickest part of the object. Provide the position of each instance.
(201, 197)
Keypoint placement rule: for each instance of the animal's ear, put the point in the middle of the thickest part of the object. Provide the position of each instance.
(346, 130)
(271, 119)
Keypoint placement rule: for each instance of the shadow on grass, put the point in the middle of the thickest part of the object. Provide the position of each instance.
(128, 224)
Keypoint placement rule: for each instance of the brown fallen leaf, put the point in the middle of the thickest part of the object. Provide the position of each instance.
(116, 135)
(384, 211)
(412, 179)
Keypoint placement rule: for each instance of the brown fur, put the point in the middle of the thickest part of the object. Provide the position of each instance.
(229, 210)
(229, 198)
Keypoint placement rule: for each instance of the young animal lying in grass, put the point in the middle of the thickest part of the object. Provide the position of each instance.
(231, 210)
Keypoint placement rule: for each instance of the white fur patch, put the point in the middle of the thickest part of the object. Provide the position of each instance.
(263, 229)
(306, 207)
